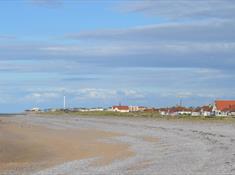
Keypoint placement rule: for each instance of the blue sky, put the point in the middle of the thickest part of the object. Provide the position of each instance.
(100, 53)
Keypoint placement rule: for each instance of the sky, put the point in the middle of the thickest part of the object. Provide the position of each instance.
(102, 53)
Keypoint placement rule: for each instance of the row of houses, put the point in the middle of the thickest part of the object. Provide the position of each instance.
(179, 110)
(173, 111)
(219, 108)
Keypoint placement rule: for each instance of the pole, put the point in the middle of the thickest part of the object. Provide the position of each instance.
(64, 102)
(181, 102)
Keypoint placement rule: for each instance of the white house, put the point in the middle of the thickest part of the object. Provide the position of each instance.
(196, 112)
(96, 109)
(206, 110)
(34, 110)
(224, 107)
(136, 108)
(133, 108)
(120, 109)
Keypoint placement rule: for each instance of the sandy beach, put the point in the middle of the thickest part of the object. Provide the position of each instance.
(27, 148)
(45, 145)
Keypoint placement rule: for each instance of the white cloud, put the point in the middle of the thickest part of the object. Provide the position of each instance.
(203, 31)
(84, 50)
(172, 9)
(154, 48)
(40, 97)
(84, 94)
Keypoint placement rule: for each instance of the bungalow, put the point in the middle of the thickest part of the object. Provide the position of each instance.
(206, 110)
(176, 110)
(163, 111)
(133, 108)
(120, 109)
(151, 110)
(136, 108)
(224, 107)
(95, 109)
(196, 112)
(33, 110)
(179, 110)
(232, 110)
(142, 108)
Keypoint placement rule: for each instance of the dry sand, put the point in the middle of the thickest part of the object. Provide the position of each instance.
(67, 145)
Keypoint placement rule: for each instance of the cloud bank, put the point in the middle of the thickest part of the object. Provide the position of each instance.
(190, 52)
(187, 9)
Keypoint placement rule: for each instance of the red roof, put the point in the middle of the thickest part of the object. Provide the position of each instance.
(121, 107)
(229, 109)
(198, 109)
(180, 109)
(206, 108)
(224, 104)
(232, 109)
(150, 110)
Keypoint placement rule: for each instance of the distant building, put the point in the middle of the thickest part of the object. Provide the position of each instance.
(151, 110)
(110, 109)
(120, 108)
(179, 110)
(164, 111)
(142, 108)
(196, 112)
(74, 109)
(206, 110)
(83, 110)
(232, 111)
(95, 109)
(50, 110)
(224, 107)
(33, 110)
(137, 108)
(133, 108)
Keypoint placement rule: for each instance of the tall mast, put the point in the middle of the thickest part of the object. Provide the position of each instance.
(64, 102)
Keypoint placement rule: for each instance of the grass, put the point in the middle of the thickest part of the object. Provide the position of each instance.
(153, 115)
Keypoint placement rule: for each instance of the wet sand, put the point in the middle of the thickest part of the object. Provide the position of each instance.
(27, 148)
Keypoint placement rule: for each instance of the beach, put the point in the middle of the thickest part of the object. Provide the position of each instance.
(26, 148)
(76, 145)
